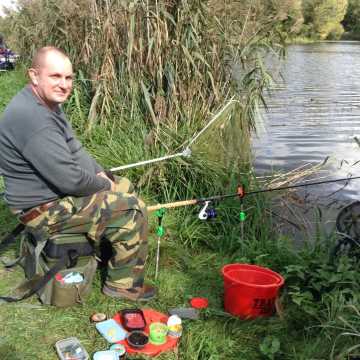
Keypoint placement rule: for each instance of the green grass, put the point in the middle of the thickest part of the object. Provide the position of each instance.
(192, 255)
(10, 83)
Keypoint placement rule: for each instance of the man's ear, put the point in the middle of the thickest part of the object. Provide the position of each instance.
(33, 75)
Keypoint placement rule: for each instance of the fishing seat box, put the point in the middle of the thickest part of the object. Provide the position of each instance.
(54, 292)
(59, 244)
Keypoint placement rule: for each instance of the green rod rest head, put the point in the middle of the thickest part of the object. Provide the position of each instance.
(160, 231)
(242, 216)
(160, 213)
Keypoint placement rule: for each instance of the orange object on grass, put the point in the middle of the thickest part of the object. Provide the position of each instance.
(199, 303)
(151, 316)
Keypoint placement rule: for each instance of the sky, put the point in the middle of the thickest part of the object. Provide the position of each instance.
(6, 3)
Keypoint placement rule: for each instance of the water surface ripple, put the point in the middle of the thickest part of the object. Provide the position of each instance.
(314, 112)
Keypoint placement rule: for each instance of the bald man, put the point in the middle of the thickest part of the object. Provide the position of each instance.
(54, 185)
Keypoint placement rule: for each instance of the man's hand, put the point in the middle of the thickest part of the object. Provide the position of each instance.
(110, 175)
(112, 183)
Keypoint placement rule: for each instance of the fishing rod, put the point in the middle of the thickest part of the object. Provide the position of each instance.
(207, 212)
(187, 150)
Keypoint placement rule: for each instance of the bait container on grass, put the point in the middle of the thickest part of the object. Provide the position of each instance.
(158, 332)
(137, 339)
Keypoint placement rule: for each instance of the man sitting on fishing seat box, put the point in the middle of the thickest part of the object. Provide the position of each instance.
(53, 184)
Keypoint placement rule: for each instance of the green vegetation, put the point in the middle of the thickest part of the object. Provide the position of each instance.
(149, 74)
(322, 18)
(351, 20)
(10, 86)
(320, 306)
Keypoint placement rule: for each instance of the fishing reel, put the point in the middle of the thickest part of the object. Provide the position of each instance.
(207, 212)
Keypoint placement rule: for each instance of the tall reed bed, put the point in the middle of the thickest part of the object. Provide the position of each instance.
(170, 60)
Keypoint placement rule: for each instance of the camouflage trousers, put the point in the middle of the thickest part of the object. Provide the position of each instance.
(119, 216)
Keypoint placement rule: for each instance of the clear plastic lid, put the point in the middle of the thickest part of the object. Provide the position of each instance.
(71, 349)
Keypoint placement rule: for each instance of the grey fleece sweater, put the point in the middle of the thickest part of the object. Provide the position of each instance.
(40, 157)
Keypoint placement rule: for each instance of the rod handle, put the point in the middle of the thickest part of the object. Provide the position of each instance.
(172, 205)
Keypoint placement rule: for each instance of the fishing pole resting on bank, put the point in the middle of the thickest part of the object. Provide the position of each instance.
(187, 150)
(241, 194)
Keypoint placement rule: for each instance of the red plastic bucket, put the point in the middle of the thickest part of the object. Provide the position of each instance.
(250, 291)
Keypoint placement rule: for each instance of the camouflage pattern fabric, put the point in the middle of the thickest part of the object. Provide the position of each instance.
(119, 215)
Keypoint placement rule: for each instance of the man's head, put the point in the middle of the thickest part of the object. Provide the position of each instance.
(51, 76)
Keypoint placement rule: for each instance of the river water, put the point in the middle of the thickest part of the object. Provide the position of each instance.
(314, 113)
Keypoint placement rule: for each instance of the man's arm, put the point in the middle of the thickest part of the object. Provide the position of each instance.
(48, 152)
(98, 168)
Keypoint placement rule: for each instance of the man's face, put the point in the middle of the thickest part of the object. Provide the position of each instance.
(53, 79)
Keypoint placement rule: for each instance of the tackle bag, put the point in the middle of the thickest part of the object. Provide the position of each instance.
(47, 264)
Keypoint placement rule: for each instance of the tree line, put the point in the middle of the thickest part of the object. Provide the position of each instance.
(321, 19)
(312, 19)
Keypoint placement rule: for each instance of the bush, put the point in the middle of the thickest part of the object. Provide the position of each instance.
(336, 32)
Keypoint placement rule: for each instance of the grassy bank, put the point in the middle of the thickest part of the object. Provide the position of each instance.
(301, 40)
(319, 304)
(350, 36)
